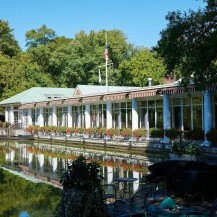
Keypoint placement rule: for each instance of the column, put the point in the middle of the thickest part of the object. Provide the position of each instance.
(11, 115)
(41, 117)
(108, 115)
(54, 116)
(135, 117)
(166, 115)
(87, 116)
(6, 114)
(69, 116)
(79, 117)
(208, 119)
(29, 117)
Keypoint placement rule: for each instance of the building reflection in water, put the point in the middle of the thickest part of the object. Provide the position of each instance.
(50, 160)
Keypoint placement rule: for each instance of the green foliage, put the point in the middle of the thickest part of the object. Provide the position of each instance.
(172, 133)
(142, 65)
(126, 132)
(156, 133)
(40, 36)
(191, 149)
(195, 134)
(189, 38)
(111, 132)
(138, 133)
(82, 192)
(17, 195)
(8, 45)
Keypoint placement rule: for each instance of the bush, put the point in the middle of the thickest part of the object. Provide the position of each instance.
(156, 133)
(138, 133)
(111, 132)
(82, 192)
(125, 132)
(171, 133)
(195, 134)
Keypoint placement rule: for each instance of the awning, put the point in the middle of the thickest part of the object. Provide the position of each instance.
(72, 101)
(41, 104)
(144, 93)
(27, 106)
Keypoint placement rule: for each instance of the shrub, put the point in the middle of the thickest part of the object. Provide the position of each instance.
(171, 133)
(82, 191)
(125, 132)
(111, 132)
(195, 134)
(156, 133)
(191, 149)
(138, 133)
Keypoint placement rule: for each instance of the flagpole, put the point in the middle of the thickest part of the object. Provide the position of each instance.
(106, 62)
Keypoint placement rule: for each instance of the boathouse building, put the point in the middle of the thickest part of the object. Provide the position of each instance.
(161, 106)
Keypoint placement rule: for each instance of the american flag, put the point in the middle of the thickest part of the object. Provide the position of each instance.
(106, 53)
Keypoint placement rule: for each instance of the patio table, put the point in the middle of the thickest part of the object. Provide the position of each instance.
(124, 182)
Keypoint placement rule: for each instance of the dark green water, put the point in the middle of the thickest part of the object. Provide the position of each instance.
(21, 198)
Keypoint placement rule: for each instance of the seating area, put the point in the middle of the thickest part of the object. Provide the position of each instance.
(155, 199)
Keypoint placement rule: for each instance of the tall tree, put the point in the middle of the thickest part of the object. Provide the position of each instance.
(87, 54)
(8, 45)
(188, 44)
(20, 70)
(142, 65)
(40, 36)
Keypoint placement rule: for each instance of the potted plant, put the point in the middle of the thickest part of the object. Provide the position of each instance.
(195, 134)
(111, 132)
(126, 133)
(171, 133)
(82, 192)
(156, 133)
(138, 133)
(186, 152)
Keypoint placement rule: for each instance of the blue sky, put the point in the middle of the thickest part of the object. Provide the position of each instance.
(140, 20)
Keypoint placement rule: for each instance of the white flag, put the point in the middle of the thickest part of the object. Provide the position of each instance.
(99, 76)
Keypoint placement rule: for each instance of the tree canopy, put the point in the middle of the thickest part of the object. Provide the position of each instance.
(8, 45)
(188, 44)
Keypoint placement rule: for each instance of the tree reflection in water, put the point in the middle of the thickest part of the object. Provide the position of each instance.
(19, 195)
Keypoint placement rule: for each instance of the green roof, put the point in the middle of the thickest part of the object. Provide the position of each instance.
(97, 89)
(37, 94)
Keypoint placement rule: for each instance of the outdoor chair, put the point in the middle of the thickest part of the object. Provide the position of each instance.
(198, 211)
(109, 197)
(136, 205)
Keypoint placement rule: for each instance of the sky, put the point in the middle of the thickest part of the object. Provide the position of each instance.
(140, 20)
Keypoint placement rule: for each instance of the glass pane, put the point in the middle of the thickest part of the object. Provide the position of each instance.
(144, 104)
(123, 105)
(159, 118)
(123, 118)
(151, 117)
(187, 117)
(186, 101)
(151, 103)
(197, 100)
(159, 102)
(177, 101)
(197, 117)
(177, 117)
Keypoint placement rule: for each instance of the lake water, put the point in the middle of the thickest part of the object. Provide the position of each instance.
(34, 161)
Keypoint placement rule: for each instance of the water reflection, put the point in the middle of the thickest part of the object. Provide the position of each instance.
(24, 199)
(46, 161)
